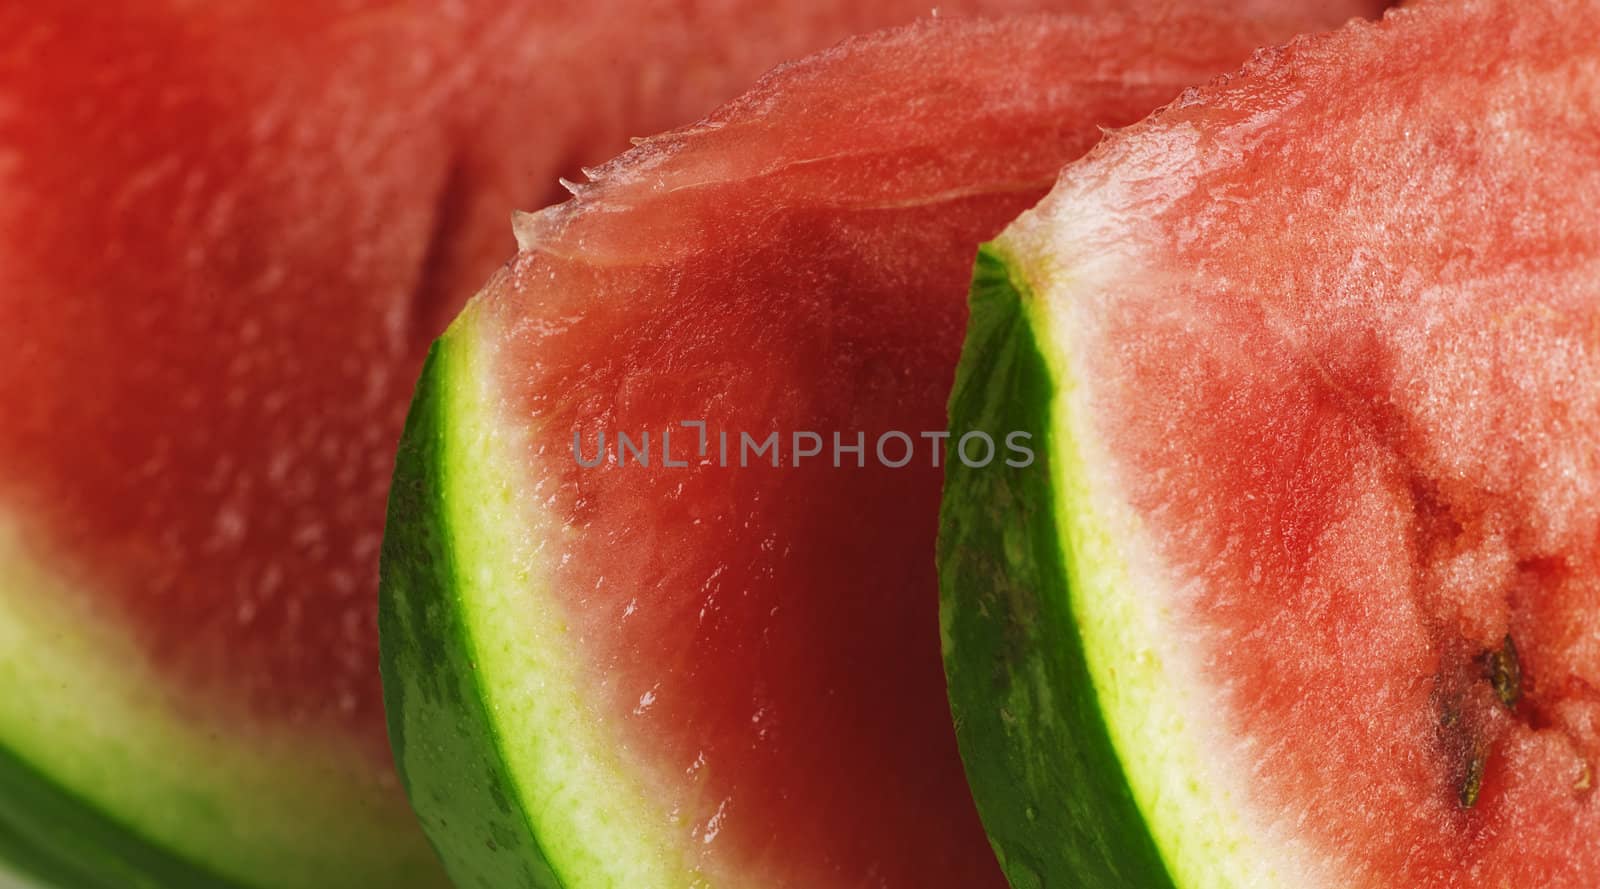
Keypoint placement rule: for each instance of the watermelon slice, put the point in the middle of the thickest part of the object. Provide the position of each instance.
(227, 233)
(1303, 589)
(715, 663)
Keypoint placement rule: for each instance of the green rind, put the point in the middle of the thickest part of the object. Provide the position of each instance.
(22, 867)
(439, 722)
(1045, 773)
(520, 778)
(109, 777)
(61, 841)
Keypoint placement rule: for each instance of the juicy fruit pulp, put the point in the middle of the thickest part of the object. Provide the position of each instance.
(1313, 349)
(715, 674)
(226, 234)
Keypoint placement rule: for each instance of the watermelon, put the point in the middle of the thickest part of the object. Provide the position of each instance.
(1302, 588)
(227, 233)
(658, 602)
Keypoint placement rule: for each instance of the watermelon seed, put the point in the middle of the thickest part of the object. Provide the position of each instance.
(1505, 671)
(1473, 783)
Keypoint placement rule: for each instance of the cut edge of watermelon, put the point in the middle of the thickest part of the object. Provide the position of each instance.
(103, 783)
(1125, 782)
(490, 646)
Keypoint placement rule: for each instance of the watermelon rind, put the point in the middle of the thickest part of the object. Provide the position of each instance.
(516, 780)
(23, 867)
(59, 840)
(1007, 633)
(1077, 727)
(105, 781)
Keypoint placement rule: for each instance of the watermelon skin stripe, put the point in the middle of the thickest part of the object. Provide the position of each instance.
(428, 682)
(1049, 783)
(62, 841)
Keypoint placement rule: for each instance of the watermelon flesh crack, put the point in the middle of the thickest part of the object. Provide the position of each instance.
(729, 676)
(1317, 347)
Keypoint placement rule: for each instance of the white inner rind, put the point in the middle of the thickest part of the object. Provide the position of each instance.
(581, 787)
(262, 806)
(1190, 776)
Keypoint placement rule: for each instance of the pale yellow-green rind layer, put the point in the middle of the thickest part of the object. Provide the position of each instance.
(1167, 724)
(98, 764)
(496, 727)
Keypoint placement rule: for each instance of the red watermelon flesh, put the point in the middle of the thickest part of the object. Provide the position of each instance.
(762, 641)
(1344, 347)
